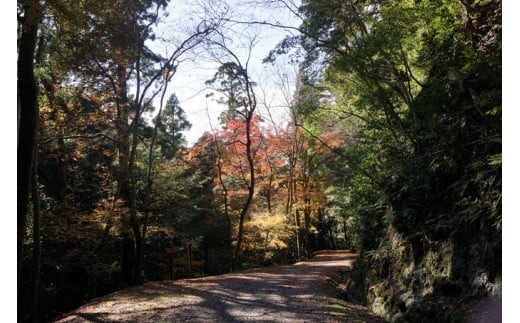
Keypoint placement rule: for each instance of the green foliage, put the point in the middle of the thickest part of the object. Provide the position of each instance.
(170, 126)
(234, 83)
(415, 86)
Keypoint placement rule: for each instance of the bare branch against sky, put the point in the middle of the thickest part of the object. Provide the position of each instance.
(200, 64)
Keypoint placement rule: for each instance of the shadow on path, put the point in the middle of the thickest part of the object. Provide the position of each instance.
(296, 293)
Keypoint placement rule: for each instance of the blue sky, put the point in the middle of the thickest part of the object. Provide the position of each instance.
(188, 83)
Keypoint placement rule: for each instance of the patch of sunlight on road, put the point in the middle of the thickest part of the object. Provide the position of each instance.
(143, 306)
(251, 276)
(261, 314)
(185, 298)
(342, 263)
(276, 299)
(245, 296)
(335, 306)
(305, 296)
(159, 302)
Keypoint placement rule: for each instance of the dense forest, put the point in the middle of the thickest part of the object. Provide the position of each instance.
(390, 146)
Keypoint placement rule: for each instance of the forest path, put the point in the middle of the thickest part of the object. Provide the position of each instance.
(303, 292)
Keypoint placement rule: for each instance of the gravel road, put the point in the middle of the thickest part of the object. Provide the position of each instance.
(303, 292)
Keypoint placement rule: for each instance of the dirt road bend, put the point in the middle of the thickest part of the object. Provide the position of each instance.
(302, 292)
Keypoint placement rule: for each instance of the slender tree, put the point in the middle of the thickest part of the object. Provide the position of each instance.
(29, 15)
(236, 84)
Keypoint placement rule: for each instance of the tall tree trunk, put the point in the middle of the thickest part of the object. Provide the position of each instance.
(190, 260)
(134, 221)
(330, 236)
(306, 227)
(149, 179)
(206, 253)
(127, 260)
(250, 188)
(123, 132)
(269, 190)
(348, 244)
(123, 183)
(138, 259)
(225, 197)
(306, 187)
(290, 191)
(36, 241)
(321, 234)
(297, 232)
(27, 121)
(132, 174)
